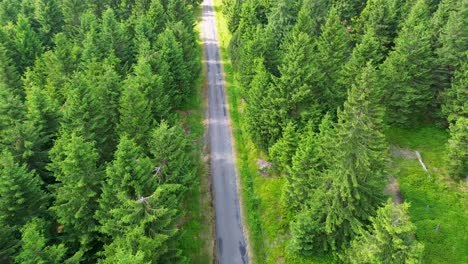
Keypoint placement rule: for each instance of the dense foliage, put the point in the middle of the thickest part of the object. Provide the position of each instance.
(322, 80)
(95, 162)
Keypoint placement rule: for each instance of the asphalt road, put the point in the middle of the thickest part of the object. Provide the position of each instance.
(230, 239)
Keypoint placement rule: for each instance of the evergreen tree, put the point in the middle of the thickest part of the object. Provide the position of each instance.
(262, 114)
(332, 53)
(8, 243)
(368, 49)
(74, 164)
(135, 113)
(452, 43)
(9, 77)
(21, 197)
(360, 161)
(50, 19)
(231, 10)
(349, 9)
(27, 44)
(35, 248)
(129, 175)
(176, 79)
(311, 17)
(407, 71)
(171, 152)
(294, 86)
(382, 18)
(305, 166)
(250, 50)
(456, 97)
(390, 240)
(282, 151)
(457, 159)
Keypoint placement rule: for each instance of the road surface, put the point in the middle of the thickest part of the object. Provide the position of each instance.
(230, 241)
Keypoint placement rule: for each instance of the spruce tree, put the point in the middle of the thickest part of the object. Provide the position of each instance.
(368, 49)
(457, 158)
(171, 153)
(50, 19)
(21, 196)
(9, 76)
(359, 165)
(9, 243)
(231, 10)
(300, 99)
(263, 115)
(456, 97)
(27, 43)
(135, 113)
(282, 151)
(305, 166)
(129, 175)
(311, 17)
(35, 246)
(407, 71)
(332, 53)
(390, 239)
(74, 164)
(452, 42)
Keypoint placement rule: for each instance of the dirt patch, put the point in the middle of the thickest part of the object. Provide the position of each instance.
(393, 189)
(402, 153)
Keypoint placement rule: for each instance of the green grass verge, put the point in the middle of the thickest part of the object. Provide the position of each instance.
(435, 200)
(196, 231)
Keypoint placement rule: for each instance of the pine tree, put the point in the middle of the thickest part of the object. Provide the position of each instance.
(264, 117)
(456, 97)
(452, 43)
(251, 49)
(407, 71)
(332, 53)
(50, 18)
(9, 76)
(381, 17)
(114, 37)
(294, 86)
(360, 161)
(8, 242)
(390, 240)
(171, 152)
(303, 173)
(35, 248)
(457, 159)
(74, 164)
(129, 175)
(282, 151)
(21, 196)
(369, 49)
(231, 10)
(135, 113)
(311, 17)
(27, 44)
(176, 77)
(349, 9)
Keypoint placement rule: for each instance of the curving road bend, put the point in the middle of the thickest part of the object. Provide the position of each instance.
(230, 241)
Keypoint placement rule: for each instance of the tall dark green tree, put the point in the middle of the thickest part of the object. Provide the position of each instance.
(457, 158)
(74, 164)
(407, 72)
(360, 162)
(391, 239)
(282, 151)
(332, 53)
(311, 17)
(35, 247)
(171, 153)
(20, 191)
(27, 44)
(456, 97)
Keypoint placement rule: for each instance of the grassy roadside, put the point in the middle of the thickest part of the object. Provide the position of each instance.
(435, 199)
(197, 238)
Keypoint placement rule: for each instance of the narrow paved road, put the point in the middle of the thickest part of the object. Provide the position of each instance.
(230, 240)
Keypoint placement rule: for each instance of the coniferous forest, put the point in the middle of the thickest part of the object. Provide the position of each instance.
(95, 163)
(98, 163)
(321, 83)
